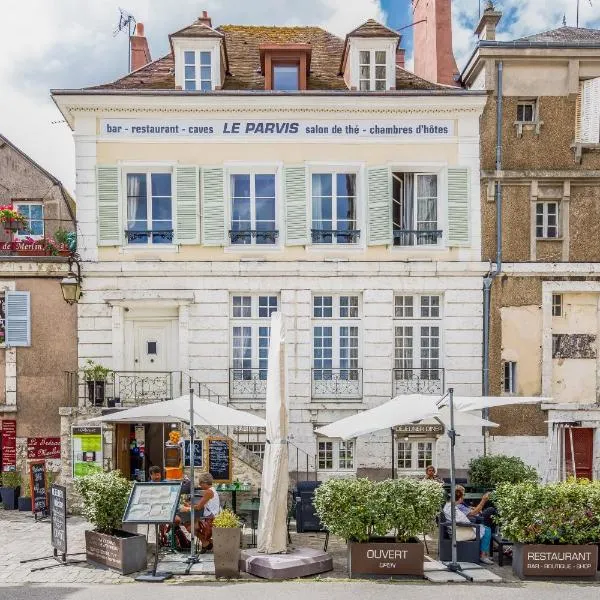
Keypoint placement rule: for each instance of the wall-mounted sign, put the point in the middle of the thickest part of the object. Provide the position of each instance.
(198, 453)
(230, 129)
(43, 447)
(219, 459)
(434, 429)
(86, 443)
(9, 445)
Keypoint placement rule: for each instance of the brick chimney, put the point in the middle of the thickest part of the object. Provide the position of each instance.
(205, 19)
(401, 58)
(486, 30)
(140, 52)
(434, 58)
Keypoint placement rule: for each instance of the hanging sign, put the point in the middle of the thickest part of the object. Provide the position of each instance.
(86, 443)
(9, 445)
(435, 429)
(197, 453)
(43, 447)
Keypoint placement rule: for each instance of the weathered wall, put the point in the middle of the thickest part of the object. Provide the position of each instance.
(584, 223)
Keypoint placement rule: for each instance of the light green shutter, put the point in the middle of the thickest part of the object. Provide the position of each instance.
(379, 207)
(296, 206)
(458, 207)
(17, 308)
(213, 207)
(187, 205)
(109, 222)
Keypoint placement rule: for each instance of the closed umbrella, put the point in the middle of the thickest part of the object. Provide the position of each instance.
(272, 516)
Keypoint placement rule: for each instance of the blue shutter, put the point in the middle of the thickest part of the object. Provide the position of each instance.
(187, 205)
(458, 207)
(18, 318)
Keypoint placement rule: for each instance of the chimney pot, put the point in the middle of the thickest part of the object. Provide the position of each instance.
(140, 52)
(205, 19)
(139, 30)
(486, 29)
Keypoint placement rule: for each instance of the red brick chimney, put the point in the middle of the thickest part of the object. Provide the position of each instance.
(205, 19)
(140, 52)
(401, 58)
(434, 58)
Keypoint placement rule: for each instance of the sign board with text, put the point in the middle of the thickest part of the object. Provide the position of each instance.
(86, 443)
(9, 445)
(43, 447)
(219, 459)
(37, 482)
(536, 560)
(58, 515)
(433, 429)
(385, 559)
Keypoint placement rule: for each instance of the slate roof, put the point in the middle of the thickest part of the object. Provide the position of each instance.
(372, 28)
(242, 47)
(197, 29)
(565, 35)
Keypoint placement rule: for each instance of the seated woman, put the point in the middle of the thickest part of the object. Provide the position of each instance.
(462, 513)
(210, 506)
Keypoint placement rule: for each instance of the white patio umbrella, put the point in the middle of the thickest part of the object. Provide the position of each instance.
(464, 403)
(462, 420)
(272, 516)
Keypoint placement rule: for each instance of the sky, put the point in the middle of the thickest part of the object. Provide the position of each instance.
(47, 44)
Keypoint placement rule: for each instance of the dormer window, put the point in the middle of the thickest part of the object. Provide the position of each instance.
(197, 70)
(373, 70)
(285, 66)
(286, 76)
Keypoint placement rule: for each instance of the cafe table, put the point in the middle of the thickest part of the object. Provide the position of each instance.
(252, 507)
(233, 488)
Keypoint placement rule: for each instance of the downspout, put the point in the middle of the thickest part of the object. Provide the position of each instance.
(493, 273)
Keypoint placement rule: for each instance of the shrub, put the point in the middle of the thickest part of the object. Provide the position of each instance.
(557, 513)
(11, 479)
(492, 470)
(104, 496)
(226, 518)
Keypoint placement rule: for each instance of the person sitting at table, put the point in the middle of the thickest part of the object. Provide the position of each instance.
(155, 473)
(463, 534)
(210, 504)
(431, 475)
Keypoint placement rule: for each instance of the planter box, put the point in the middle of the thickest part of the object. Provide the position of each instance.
(226, 548)
(25, 504)
(383, 558)
(10, 497)
(548, 560)
(125, 552)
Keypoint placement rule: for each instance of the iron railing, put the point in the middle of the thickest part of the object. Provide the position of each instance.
(413, 237)
(245, 236)
(342, 236)
(418, 381)
(247, 384)
(155, 236)
(337, 383)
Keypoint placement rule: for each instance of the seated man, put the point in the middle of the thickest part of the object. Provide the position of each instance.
(463, 534)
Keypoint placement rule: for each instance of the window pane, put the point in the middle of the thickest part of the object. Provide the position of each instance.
(241, 186)
(205, 86)
(190, 72)
(189, 58)
(404, 455)
(161, 184)
(380, 56)
(205, 58)
(205, 73)
(380, 73)
(265, 186)
(346, 184)
(265, 210)
(285, 77)
(364, 85)
(365, 57)
(322, 184)
(365, 73)
(190, 84)
(137, 207)
(36, 212)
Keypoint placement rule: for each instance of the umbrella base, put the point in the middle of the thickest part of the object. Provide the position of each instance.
(299, 562)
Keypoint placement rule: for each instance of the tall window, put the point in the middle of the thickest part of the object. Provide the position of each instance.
(557, 305)
(198, 70)
(417, 337)
(149, 208)
(415, 209)
(373, 70)
(336, 346)
(34, 212)
(250, 329)
(526, 111)
(334, 208)
(333, 455)
(510, 377)
(286, 76)
(546, 220)
(414, 455)
(253, 208)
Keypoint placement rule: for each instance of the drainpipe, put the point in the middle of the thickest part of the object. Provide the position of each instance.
(493, 273)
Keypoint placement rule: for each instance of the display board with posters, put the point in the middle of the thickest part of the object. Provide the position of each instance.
(9, 445)
(153, 502)
(86, 444)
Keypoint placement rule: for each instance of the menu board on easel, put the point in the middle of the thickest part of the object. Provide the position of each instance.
(39, 493)
(219, 459)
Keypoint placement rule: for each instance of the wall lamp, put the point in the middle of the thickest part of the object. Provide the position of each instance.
(71, 283)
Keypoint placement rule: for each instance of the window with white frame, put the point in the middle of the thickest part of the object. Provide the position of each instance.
(372, 70)
(197, 70)
(557, 305)
(415, 203)
(510, 377)
(417, 343)
(336, 326)
(527, 111)
(149, 208)
(335, 455)
(257, 448)
(34, 213)
(547, 220)
(414, 454)
(253, 213)
(334, 210)
(250, 329)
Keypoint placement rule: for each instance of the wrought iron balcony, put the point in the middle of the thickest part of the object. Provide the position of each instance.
(417, 381)
(342, 236)
(413, 237)
(337, 383)
(247, 235)
(154, 236)
(247, 384)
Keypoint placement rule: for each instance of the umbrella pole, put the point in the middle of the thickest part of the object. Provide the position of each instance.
(393, 444)
(192, 558)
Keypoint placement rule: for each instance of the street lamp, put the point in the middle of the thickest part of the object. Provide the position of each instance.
(71, 283)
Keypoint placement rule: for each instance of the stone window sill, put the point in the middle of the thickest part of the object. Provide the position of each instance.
(579, 147)
(556, 239)
(529, 126)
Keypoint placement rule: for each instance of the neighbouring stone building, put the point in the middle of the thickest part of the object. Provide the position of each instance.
(255, 169)
(542, 176)
(38, 329)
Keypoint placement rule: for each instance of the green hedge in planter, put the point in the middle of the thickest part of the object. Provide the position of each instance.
(492, 470)
(358, 509)
(557, 513)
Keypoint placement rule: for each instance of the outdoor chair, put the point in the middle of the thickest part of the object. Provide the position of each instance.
(466, 551)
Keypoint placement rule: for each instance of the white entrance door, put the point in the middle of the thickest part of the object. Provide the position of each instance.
(151, 345)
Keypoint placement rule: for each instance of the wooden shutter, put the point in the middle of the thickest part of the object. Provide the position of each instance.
(18, 318)
(379, 207)
(458, 207)
(187, 205)
(109, 221)
(213, 207)
(578, 110)
(296, 206)
(590, 112)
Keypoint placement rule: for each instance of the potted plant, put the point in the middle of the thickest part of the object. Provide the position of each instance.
(555, 528)
(95, 376)
(489, 471)
(364, 513)
(24, 501)
(227, 538)
(67, 240)
(11, 487)
(11, 219)
(104, 497)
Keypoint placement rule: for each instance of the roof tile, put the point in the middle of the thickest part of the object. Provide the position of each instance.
(577, 35)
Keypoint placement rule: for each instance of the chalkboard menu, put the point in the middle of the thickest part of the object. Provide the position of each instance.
(58, 509)
(219, 459)
(197, 453)
(39, 494)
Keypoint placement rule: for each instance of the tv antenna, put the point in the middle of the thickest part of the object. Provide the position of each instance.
(577, 22)
(127, 23)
